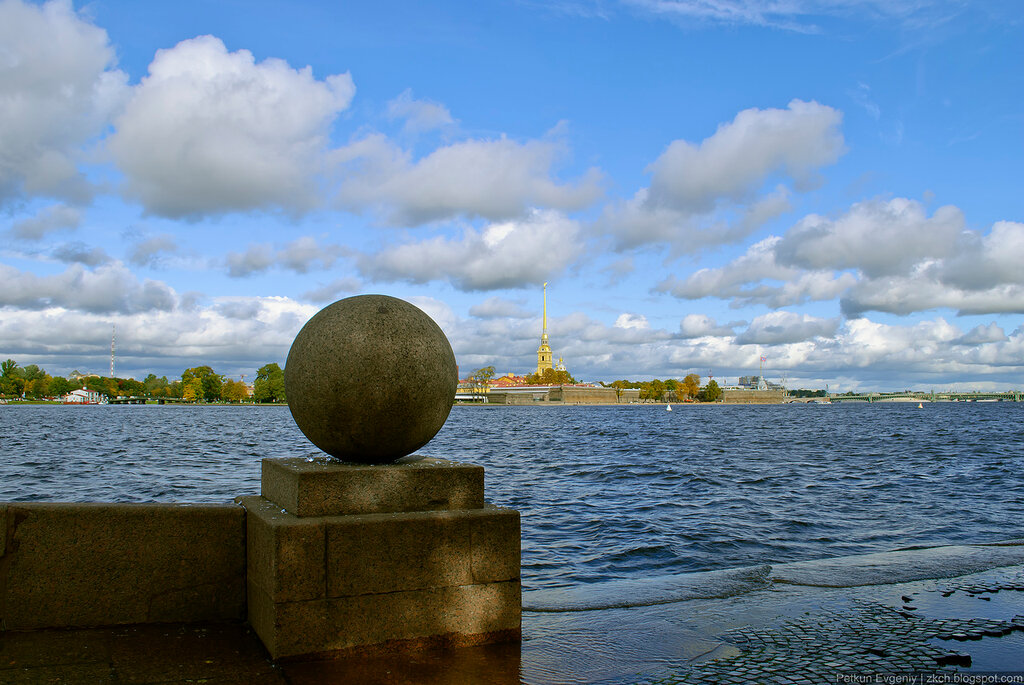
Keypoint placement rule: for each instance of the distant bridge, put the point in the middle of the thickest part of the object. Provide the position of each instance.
(873, 397)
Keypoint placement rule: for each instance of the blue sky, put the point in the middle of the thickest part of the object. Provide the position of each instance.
(832, 184)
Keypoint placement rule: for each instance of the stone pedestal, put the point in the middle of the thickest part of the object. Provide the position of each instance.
(348, 557)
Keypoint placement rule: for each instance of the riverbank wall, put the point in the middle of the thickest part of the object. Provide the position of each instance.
(330, 558)
(71, 565)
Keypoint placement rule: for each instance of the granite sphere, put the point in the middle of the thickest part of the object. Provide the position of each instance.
(370, 379)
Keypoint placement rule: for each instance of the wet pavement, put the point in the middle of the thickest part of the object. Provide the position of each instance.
(785, 633)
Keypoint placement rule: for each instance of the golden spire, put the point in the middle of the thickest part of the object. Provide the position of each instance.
(544, 351)
(544, 333)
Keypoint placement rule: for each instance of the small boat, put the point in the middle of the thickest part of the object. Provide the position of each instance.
(668, 407)
(920, 406)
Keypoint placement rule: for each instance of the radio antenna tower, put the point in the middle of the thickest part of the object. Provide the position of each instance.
(113, 337)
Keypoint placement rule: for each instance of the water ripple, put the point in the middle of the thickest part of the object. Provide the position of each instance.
(606, 494)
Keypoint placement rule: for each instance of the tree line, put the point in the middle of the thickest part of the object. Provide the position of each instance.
(197, 384)
(657, 390)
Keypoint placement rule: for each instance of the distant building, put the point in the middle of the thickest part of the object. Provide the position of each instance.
(82, 396)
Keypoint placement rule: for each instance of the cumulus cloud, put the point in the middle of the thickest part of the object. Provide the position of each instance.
(106, 289)
(743, 281)
(301, 256)
(233, 335)
(628, 320)
(58, 89)
(494, 179)
(921, 291)
(702, 325)
(733, 163)
(776, 328)
(210, 131)
(500, 308)
(886, 256)
(419, 115)
(989, 261)
(714, 192)
(512, 254)
(981, 334)
(877, 238)
(48, 220)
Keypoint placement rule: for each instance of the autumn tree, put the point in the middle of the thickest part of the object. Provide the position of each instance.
(691, 385)
(235, 391)
(211, 384)
(550, 377)
(269, 385)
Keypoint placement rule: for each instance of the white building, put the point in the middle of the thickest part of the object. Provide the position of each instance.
(82, 396)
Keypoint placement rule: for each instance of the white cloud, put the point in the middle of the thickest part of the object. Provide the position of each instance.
(47, 220)
(878, 238)
(756, 145)
(494, 179)
(776, 328)
(715, 192)
(301, 256)
(104, 290)
(513, 254)
(702, 325)
(210, 131)
(233, 335)
(58, 89)
(419, 115)
(627, 320)
(743, 281)
(989, 261)
(921, 292)
(981, 334)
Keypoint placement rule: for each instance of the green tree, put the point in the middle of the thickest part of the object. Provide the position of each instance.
(131, 387)
(60, 386)
(8, 368)
(269, 384)
(710, 393)
(691, 385)
(154, 387)
(211, 383)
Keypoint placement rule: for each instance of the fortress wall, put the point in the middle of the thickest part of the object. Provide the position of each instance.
(753, 396)
(66, 565)
(571, 395)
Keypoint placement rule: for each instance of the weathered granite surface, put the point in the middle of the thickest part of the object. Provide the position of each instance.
(370, 379)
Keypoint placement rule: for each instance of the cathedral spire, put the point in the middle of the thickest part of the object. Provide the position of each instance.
(544, 333)
(544, 351)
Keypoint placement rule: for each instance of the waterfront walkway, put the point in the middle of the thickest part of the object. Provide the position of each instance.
(784, 633)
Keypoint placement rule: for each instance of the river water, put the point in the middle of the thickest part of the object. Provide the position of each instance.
(607, 494)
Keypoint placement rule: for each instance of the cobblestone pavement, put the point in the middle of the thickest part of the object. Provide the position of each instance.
(865, 637)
